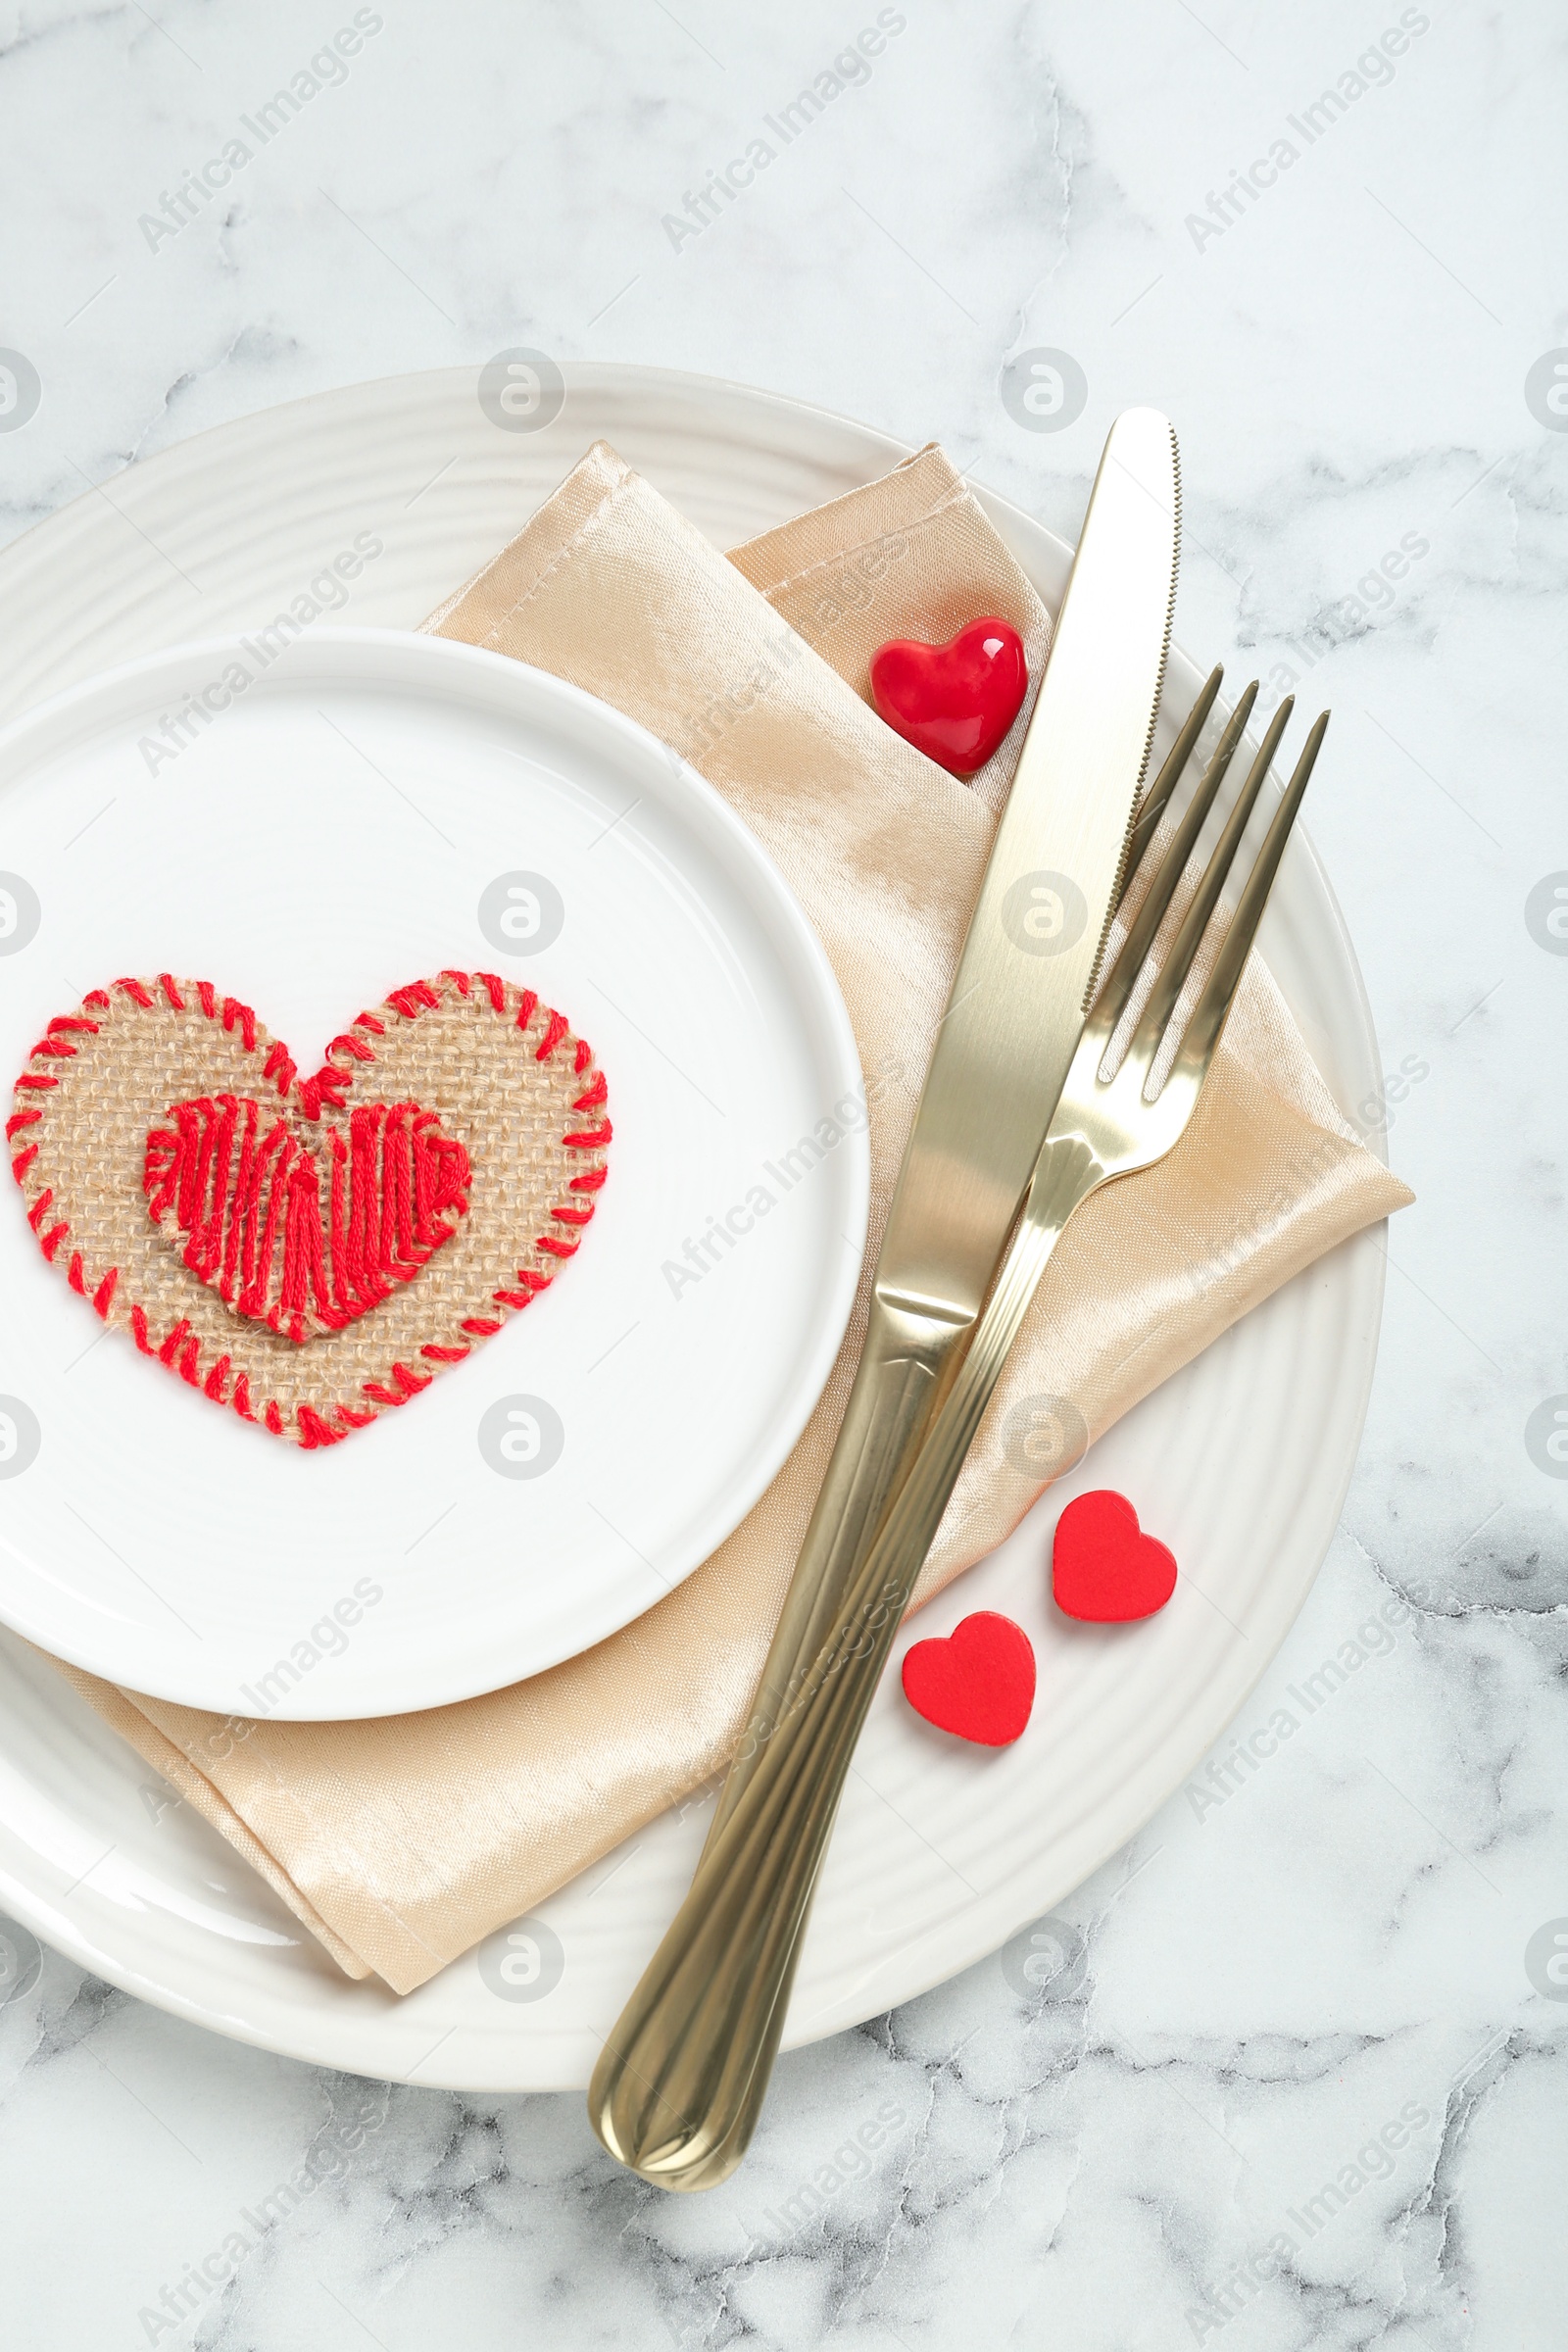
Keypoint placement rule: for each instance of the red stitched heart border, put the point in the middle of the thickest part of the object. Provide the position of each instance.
(479, 1159)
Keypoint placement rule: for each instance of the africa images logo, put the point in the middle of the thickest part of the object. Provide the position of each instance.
(849, 69)
(1373, 70)
(327, 69)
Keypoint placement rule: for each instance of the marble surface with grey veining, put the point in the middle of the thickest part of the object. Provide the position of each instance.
(1289, 2071)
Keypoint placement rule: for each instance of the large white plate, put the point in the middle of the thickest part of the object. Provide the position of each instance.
(1241, 1462)
(339, 831)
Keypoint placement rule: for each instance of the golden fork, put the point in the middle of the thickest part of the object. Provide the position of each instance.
(681, 2080)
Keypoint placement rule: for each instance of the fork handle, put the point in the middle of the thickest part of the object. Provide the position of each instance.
(682, 2079)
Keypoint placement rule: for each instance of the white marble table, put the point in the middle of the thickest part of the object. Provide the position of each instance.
(1302, 2082)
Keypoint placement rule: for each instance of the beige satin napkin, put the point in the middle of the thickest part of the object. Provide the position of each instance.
(401, 1842)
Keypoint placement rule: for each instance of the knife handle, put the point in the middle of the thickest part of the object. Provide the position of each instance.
(899, 1376)
(682, 2076)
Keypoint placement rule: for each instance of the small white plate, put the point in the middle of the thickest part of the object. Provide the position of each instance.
(355, 820)
(1241, 1462)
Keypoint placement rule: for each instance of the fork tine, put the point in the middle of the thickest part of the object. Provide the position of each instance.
(1113, 998)
(1208, 1015)
(1152, 805)
(1178, 963)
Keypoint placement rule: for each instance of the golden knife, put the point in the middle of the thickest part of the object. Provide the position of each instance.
(682, 2076)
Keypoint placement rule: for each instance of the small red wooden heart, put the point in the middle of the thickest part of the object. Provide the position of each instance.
(980, 1683)
(1102, 1568)
(954, 701)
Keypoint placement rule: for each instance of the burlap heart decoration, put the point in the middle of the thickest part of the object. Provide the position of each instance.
(310, 1252)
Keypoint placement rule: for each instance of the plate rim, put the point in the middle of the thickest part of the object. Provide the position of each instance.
(1358, 1048)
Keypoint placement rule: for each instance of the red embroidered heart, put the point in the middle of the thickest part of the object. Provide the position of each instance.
(1102, 1568)
(980, 1683)
(245, 1192)
(308, 1264)
(954, 701)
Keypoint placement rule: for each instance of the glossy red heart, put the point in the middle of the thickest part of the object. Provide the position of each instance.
(980, 1683)
(1103, 1567)
(954, 701)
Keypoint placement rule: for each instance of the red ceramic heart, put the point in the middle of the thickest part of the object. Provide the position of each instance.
(954, 701)
(1103, 1567)
(980, 1683)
